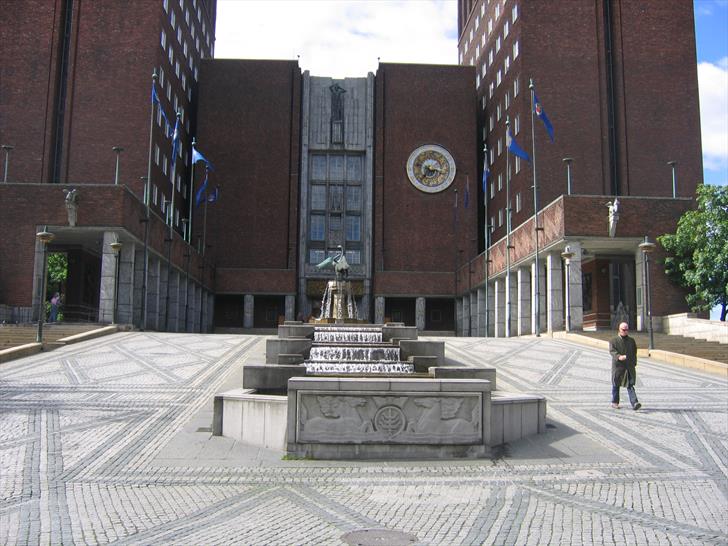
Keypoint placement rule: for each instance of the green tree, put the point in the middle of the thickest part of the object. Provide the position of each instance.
(698, 251)
(57, 270)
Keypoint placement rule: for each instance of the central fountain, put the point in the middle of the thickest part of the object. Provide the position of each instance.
(334, 388)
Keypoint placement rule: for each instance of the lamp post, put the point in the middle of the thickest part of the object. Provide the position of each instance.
(673, 164)
(44, 237)
(7, 148)
(648, 247)
(568, 161)
(116, 248)
(186, 255)
(567, 254)
(117, 150)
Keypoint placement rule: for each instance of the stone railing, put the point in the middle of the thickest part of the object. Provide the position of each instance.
(686, 324)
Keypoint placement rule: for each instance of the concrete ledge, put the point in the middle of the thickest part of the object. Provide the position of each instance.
(20, 351)
(270, 377)
(252, 419)
(457, 372)
(393, 330)
(515, 416)
(278, 346)
(412, 347)
(91, 334)
(295, 329)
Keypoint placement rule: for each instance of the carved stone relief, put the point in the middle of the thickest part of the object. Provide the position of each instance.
(412, 418)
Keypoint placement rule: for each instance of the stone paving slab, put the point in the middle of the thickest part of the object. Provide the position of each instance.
(108, 441)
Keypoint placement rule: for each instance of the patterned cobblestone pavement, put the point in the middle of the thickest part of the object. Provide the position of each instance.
(108, 442)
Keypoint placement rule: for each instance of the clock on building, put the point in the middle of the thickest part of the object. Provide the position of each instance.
(431, 168)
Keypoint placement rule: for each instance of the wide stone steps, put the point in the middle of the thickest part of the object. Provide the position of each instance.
(12, 335)
(709, 350)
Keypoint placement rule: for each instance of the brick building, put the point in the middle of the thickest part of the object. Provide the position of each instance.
(620, 89)
(386, 165)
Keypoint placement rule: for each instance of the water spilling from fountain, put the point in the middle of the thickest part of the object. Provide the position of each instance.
(353, 350)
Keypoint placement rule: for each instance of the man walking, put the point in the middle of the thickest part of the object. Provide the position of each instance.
(624, 363)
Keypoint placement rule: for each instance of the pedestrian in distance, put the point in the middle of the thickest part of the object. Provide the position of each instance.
(624, 366)
(55, 302)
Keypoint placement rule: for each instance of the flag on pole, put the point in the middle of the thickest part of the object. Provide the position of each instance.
(486, 176)
(541, 114)
(197, 156)
(175, 139)
(200, 196)
(214, 196)
(514, 148)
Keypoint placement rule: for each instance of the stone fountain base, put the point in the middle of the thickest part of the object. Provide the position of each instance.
(437, 411)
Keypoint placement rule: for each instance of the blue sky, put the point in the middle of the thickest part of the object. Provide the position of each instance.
(711, 34)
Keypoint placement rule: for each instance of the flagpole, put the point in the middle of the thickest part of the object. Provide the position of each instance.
(204, 222)
(455, 257)
(508, 236)
(192, 196)
(537, 276)
(485, 223)
(147, 216)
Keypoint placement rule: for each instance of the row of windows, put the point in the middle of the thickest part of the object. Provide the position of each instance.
(193, 29)
(336, 167)
(502, 213)
(318, 227)
(485, 36)
(336, 196)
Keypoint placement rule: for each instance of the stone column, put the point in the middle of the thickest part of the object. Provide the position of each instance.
(523, 297)
(490, 309)
(125, 302)
(248, 308)
(156, 285)
(541, 298)
(379, 310)
(191, 309)
(576, 308)
(174, 301)
(138, 286)
(195, 327)
(290, 305)
(554, 293)
(458, 316)
(499, 306)
(481, 312)
(420, 313)
(508, 303)
(473, 313)
(514, 304)
(466, 315)
(107, 292)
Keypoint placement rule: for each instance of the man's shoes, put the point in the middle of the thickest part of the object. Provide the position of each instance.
(615, 406)
(637, 406)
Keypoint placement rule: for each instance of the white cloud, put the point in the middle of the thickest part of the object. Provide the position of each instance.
(713, 83)
(338, 38)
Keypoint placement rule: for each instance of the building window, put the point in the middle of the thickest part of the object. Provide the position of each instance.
(514, 13)
(500, 181)
(492, 223)
(353, 168)
(490, 57)
(515, 49)
(500, 217)
(490, 90)
(507, 100)
(518, 201)
(506, 28)
(497, 44)
(163, 40)
(166, 5)
(492, 156)
(318, 227)
(353, 198)
(516, 87)
(156, 154)
(491, 122)
(518, 164)
(477, 80)
(490, 26)
(353, 228)
(498, 111)
(507, 64)
(316, 256)
(336, 198)
(170, 55)
(492, 193)
(155, 194)
(165, 164)
(179, 34)
(353, 257)
(318, 197)
(497, 11)
(498, 78)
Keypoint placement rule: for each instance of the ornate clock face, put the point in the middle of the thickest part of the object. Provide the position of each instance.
(431, 168)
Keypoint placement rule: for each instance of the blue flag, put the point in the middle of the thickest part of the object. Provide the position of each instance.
(175, 140)
(197, 156)
(214, 196)
(541, 114)
(200, 196)
(486, 176)
(514, 148)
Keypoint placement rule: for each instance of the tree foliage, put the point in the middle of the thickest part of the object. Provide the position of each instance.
(57, 269)
(698, 251)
